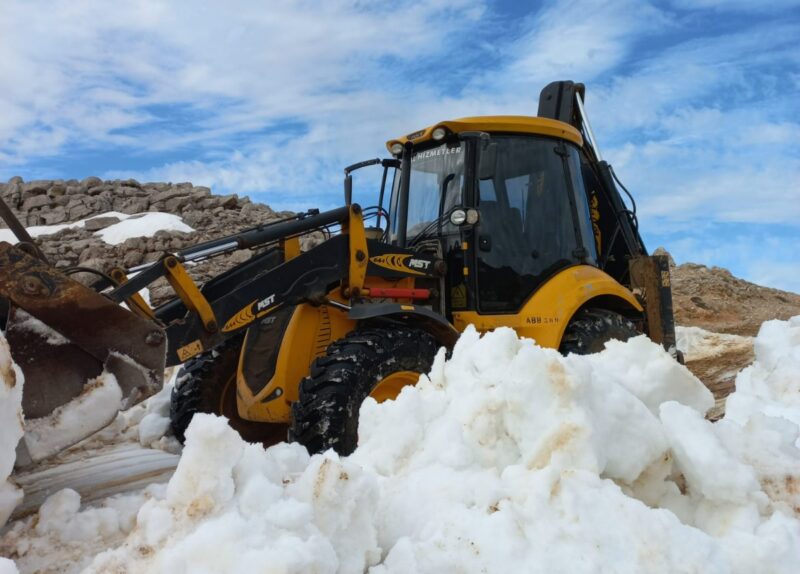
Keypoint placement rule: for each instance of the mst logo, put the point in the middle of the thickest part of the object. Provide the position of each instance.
(419, 264)
(264, 303)
(401, 262)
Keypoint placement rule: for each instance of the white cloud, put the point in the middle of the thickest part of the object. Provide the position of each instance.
(701, 124)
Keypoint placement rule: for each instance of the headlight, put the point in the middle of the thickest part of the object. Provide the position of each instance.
(439, 134)
(397, 148)
(458, 216)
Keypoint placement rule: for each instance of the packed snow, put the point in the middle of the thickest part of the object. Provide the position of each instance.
(697, 343)
(11, 382)
(142, 225)
(136, 225)
(94, 408)
(506, 457)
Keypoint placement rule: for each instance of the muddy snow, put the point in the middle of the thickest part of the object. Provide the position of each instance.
(507, 457)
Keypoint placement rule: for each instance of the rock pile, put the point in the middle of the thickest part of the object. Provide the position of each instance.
(53, 202)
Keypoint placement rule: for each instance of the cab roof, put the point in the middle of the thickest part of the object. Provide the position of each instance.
(497, 124)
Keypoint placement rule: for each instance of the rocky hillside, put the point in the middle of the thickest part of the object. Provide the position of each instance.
(712, 298)
(55, 202)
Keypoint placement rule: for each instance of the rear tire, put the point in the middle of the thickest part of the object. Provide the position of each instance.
(207, 384)
(326, 414)
(590, 330)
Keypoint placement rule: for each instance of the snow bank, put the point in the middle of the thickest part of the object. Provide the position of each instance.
(95, 407)
(138, 225)
(697, 343)
(64, 539)
(142, 225)
(11, 381)
(762, 420)
(507, 457)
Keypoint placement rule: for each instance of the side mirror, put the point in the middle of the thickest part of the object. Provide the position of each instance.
(487, 164)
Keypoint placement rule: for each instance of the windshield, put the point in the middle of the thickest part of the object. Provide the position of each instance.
(431, 170)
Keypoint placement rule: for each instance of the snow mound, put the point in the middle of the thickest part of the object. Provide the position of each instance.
(137, 225)
(95, 407)
(697, 343)
(11, 381)
(142, 225)
(64, 539)
(507, 457)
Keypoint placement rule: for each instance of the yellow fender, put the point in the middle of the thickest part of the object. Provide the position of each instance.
(545, 316)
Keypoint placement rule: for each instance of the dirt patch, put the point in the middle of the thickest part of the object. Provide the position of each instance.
(719, 372)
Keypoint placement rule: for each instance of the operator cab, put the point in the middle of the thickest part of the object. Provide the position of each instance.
(503, 201)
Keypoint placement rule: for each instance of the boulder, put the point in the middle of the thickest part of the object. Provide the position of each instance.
(35, 201)
(91, 182)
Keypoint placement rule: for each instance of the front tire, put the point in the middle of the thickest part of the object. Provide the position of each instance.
(590, 329)
(207, 384)
(371, 361)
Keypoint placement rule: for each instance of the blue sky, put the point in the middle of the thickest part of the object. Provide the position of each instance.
(696, 104)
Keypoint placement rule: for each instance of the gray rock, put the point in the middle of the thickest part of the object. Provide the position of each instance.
(35, 201)
(37, 187)
(168, 194)
(128, 191)
(98, 223)
(78, 245)
(132, 258)
(176, 203)
(55, 215)
(91, 182)
(78, 211)
(229, 201)
(131, 183)
(93, 252)
(133, 205)
(57, 189)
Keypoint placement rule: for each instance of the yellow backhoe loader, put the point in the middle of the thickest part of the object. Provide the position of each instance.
(492, 221)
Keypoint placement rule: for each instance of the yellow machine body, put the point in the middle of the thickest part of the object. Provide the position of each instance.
(545, 316)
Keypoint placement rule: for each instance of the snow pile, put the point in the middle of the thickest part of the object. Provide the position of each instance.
(142, 225)
(95, 407)
(697, 343)
(762, 419)
(137, 225)
(64, 539)
(11, 381)
(507, 457)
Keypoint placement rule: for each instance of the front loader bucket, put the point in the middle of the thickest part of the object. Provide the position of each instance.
(68, 339)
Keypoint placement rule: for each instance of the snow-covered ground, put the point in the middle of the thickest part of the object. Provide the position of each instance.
(697, 343)
(138, 225)
(506, 458)
(10, 428)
